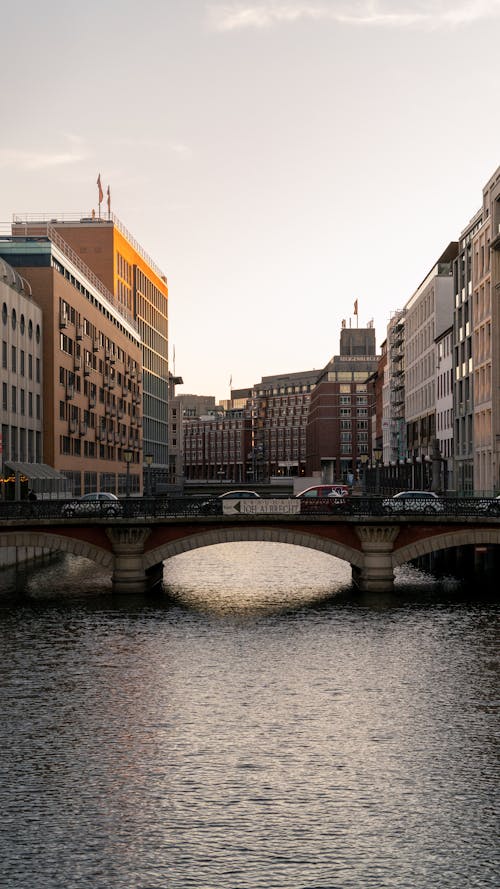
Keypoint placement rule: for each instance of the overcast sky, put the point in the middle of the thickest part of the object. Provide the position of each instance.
(278, 159)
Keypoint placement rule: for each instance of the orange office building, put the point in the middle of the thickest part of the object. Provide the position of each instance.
(92, 363)
(139, 291)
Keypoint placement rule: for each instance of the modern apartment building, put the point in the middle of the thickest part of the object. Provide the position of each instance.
(393, 425)
(21, 378)
(339, 424)
(428, 312)
(463, 373)
(444, 406)
(139, 289)
(486, 347)
(92, 360)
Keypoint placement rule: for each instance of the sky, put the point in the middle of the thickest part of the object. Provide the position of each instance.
(278, 159)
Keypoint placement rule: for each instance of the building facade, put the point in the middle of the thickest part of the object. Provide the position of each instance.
(429, 310)
(486, 348)
(340, 414)
(444, 407)
(21, 373)
(463, 347)
(280, 411)
(92, 360)
(139, 290)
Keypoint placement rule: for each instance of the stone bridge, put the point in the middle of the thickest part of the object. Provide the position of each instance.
(133, 549)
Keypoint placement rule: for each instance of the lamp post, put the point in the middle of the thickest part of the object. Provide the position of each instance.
(364, 460)
(377, 453)
(127, 456)
(148, 459)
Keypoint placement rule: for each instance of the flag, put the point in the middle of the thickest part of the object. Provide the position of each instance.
(230, 381)
(99, 186)
(109, 200)
(355, 307)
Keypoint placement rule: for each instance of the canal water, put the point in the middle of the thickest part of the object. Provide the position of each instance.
(257, 726)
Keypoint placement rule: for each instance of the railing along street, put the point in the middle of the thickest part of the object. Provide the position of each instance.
(144, 508)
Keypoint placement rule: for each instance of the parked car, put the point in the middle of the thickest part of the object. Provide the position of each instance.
(325, 491)
(214, 506)
(238, 495)
(323, 498)
(99, 503)
(414, 501)
(490, 507)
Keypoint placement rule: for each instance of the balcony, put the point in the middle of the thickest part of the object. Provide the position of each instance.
(79, 332)
(84, 428)
(63, 320)
(70, 392)
(72, 426)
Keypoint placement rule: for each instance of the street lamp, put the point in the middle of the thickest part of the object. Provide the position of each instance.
(127, 456)
(148, 459)
(364, 460)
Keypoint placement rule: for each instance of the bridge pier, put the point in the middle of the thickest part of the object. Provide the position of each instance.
(377, 544)
(129, 573)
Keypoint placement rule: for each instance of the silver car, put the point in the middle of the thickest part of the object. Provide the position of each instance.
(101, 503)
(414, 501)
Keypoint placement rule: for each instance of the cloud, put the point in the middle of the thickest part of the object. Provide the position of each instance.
(37, 160)
(425, 14)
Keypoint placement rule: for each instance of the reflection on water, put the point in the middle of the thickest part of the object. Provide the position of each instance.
(259, 726)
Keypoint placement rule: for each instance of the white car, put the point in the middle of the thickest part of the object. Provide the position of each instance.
(101, 503)
(414, 501)
(490, 507)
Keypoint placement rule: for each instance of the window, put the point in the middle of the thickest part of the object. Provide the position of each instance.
(4, 354)
(14, 319)
(4, 397)
(13, 400)
(14, 359)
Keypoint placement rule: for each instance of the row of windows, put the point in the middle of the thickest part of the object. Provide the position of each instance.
(19, 403)
(22, 323)
(14, 352)
(21, 444)
(97, 303)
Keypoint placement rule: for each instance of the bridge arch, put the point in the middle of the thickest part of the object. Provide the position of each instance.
(58, 543)
(464, 537)
(252, 534)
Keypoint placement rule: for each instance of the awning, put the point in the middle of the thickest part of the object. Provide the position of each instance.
(35, 470)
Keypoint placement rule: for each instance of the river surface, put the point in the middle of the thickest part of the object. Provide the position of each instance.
(257, 726)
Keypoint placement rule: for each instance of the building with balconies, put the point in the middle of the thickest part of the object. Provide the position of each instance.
(463, 372)
(427, 312)
(138, 288)
(486, 340)
(92, 367)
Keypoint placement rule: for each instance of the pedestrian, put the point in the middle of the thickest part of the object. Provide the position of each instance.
(31, 494)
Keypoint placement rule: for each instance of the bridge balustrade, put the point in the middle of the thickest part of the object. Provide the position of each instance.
(192, 507)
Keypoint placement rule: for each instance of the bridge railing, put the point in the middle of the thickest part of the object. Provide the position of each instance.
(198, 507)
